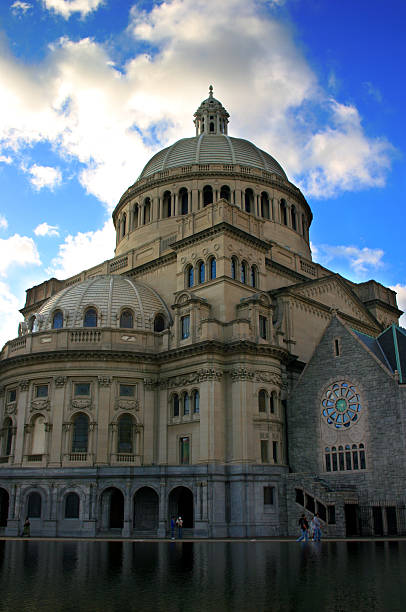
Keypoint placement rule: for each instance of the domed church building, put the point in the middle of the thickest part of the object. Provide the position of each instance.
(211, 369)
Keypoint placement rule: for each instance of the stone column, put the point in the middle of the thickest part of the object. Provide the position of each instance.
(175, 201)
(212, 417)
(127, 523)
(238, 198)
(148, 392)
(17, 448)
(162, 424)
(59, 400)
(103, 418)
(163, 509)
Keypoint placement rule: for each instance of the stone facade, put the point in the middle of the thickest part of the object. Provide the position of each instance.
(165, 381)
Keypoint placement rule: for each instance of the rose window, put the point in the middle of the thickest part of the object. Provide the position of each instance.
(341, 405)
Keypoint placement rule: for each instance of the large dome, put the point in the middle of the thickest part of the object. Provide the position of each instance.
(109, 294)
(212, 149)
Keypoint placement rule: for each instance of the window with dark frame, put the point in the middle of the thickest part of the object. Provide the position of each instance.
(184, 450)
(185, 327)
(264, 451)
(82, 389)
(263, 324)
(12, 396)
(127, 390)
(268, 496)
(41, 391)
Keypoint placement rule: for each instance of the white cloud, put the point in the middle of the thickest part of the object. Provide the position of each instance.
(401, 299)
(67, 7)
(9, 315)
(359, 260)
(111, 120)
(44, 176)
(19, 7)
(3, 222)
(43, 229)
(17, 250)
(5, 159)
(82, 251)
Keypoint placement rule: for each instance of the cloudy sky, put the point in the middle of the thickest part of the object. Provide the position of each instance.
(90, 89)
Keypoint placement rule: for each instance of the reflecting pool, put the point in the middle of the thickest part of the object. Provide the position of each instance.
(199, 576)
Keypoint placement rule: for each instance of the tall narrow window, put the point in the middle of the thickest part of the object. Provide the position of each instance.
(190, 276)
(294, 217)
(272, 402)
(185, 327)
(212, 268)
(284, 214)
(234, 267)
(125, 434)
(7, 436)
(254, 276)
(135, 216)
(184, 205)
(262, 401)
(263, 324)
(362, 457)
(80, 433)
(211, 127)
(268, 496)
(264, 451)
(167, 205)
(225, 193)
(184, 450)
(38, 436)
(196, 402)
(123, 224)
(186, 404)
(159, 323)
(249, 200)
(275, 451)
(72, 505)
(90, 319)
(264, 205)
(34, 505)
(244, 266)
(175, 405)
(147, 211)
(57, 320)
(207, 195)
(337, 347)
(201, 271)
(127, 319)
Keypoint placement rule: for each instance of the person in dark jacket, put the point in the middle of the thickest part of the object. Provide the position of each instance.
(304, 528)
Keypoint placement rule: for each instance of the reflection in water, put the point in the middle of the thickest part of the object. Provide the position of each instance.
(207, 576)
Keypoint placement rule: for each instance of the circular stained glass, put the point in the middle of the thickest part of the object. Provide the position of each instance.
(341, 405)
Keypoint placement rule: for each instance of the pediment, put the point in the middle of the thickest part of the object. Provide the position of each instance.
(334, 293)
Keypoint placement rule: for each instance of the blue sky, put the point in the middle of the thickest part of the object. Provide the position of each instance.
(90, 89)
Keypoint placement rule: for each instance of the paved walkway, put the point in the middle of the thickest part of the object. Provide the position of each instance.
(157, 540)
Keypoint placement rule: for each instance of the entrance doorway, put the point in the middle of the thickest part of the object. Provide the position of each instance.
(377, 520)
(4, 500)
(146, 506)
(391, 520)
(112, 509)
(351, 512)
(181, 504)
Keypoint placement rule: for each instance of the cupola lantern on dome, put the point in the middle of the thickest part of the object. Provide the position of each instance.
(211, 117)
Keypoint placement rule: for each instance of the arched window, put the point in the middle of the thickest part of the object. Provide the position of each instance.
(159, 323)
(196, 402)
(201, 271)
(7, 436)
(72, 505)
(127, 319)
(202, 127)
(135, 216)
(123, 224)
(167, 205)
(90, 319)
(80, 435)
(244, 267)
(184, 204)
(303, 226)
(225, 193)
(262, 401)
(125, 434)
(38, 436)
(175, 405)
(254, 276)
(57, 320)
(207, 195)
(34, 505)
(265, 205)
(186, 404)
(294, 217)
(272, 402)
(284, 214)
(249, 200)
(211, 126)
(234, 267)
(190, 276)
(147, 211)
(212, 267)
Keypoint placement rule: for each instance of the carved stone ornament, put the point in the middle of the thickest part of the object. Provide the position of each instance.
(209, 374)
(269, 377)
(242, 374)
(104, 381)
(127, 404)
(11, 408)
(40, 404)
(24, 384)
(81, 403)
(60, 381)
(151, 382)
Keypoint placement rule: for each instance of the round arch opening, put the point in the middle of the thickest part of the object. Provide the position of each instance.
(146, 509)
(112, 509)
(181, 504)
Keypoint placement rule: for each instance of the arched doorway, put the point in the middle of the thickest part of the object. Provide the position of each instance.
(112, 509)
(181, 504)
(4, 500)
(146, 507)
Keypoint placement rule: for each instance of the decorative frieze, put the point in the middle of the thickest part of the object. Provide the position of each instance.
(242, 374)
(269, 377)
(40, 404)
(104, 381)
(24, 384)
(127, 404)
(81, 404)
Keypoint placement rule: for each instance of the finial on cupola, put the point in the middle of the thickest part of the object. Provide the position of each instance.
(211, 117)
(211, 91)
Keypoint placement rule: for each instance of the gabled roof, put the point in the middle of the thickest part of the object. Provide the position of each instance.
(390, 348)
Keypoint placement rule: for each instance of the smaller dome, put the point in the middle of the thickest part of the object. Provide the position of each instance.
(109, 295)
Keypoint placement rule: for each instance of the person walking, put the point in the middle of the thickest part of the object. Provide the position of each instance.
(304, 527)
(316, 528)
(172, 527)
(26, 528)
(179, 525)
